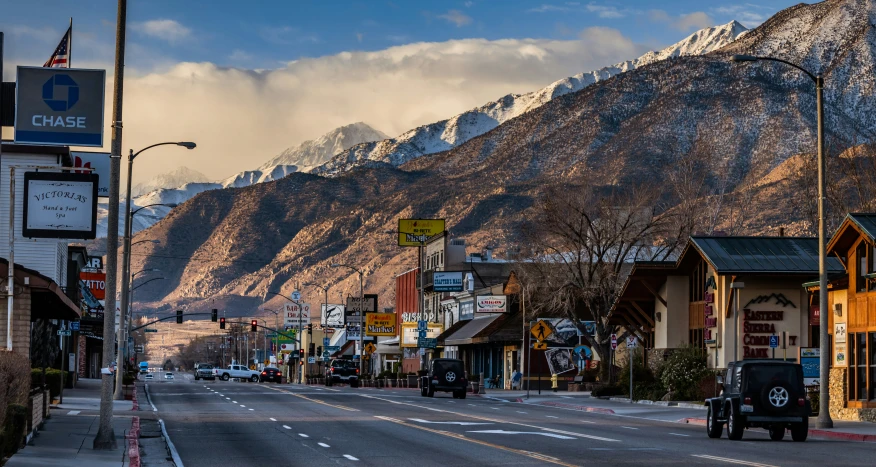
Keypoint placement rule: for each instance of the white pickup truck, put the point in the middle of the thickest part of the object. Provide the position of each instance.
(238, 371)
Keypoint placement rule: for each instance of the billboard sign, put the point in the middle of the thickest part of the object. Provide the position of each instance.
(332, 316)
(380, 324)
(368, 304)
(448, 281)
(59, 106)
(410, 335)
(59, 205)
(415, 232)
(295, 313)
(99, 163)
(492, 304)
(96, 282)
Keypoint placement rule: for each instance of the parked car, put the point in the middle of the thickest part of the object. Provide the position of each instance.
(342, 371)
(239, 371)
(150, 377)
(765, 394)
(204, 371)
(446, 375)
(168, 375)
(270, 374)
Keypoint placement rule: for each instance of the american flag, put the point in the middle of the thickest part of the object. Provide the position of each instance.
(61, 57)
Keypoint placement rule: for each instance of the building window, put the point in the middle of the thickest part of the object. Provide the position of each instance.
(858, 367)
(872, 378)
(863, 270)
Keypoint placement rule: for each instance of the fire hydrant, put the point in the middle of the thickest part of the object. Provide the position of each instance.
(554, 382)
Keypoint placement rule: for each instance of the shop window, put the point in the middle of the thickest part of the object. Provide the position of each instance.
(872, 378)
(858, 366)
(698, 282)
(863, 270)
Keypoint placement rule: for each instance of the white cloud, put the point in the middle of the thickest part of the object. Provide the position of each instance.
(359, 37)
(238, 55)
(468, 4)
(240, 118)
(602, 11)
(286, 35)
(749, 14)
(164, 29)
(693, 21)
(456, 17)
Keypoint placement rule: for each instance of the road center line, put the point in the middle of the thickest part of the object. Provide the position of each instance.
(731, 461)
(350, 457)
(287, 427)
(629, 428)
(326, 403)
(251, 409)
(303, 435)
(551, 416)
(273, 419)
(678, 434)
(324, 445)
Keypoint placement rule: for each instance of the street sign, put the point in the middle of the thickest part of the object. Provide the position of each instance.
(138, 349)
(370, 348)
(311, 359)
(422, 325)
(614, 342)
(150, 330)
(632, 342)
(60, 106)
(422, 333)
(296, 295)
(74, 325)
(296, 314)
(539, 346)
(541, 330)
(325, 359)
(326, 341)
(65, 332)
(333, 348)
(427, 343)
(325, 353)
(774, 342)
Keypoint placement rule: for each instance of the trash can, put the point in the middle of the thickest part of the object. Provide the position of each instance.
(412, 381)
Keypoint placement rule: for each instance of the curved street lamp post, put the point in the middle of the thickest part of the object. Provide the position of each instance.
(361, 314)
(824, 420)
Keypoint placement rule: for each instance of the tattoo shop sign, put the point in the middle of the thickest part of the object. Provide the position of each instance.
(59, 205)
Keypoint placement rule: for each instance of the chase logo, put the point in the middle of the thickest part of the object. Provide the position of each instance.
(53, 92)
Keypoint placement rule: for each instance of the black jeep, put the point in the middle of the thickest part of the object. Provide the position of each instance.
(760, 394)
(445, 374)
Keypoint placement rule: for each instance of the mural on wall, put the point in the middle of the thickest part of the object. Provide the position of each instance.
(559, 361)
(564, 332)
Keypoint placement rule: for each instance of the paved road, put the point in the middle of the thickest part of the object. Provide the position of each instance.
(230, 423)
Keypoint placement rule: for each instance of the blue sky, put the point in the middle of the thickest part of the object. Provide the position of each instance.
(246, 80)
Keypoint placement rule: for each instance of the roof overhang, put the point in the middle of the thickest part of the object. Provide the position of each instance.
(48, 301)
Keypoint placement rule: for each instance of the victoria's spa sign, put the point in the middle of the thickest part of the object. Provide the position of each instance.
(59, 205)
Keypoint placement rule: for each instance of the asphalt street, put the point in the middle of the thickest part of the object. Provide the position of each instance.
(233, 423)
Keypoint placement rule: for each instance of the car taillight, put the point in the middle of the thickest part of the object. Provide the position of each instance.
(332, 370)
(357, 371)
(801, 402)
(264, 372)
(747, 401)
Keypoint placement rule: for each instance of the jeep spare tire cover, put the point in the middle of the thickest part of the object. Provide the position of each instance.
(776, 396)
(450, 376)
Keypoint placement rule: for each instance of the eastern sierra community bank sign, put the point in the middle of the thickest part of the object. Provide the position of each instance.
(59, 205)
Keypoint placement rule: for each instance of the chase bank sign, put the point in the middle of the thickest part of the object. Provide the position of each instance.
(59, 106)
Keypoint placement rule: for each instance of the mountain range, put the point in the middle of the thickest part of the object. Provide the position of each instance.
(749, 125)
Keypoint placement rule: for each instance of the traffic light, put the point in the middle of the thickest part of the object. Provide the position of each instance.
(301, 353)
(254, 325)
(312, 348)
(178, 316)
(222, 323)
(319, 351)
(214, 315)
(310, 329)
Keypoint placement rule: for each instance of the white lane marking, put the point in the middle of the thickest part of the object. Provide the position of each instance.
(472, 405)
(303, 435)
(551, 416)
(629, 428)
(503, 432)
(494, 408)
(251, 409)
(287, 427)
(585, 421)
(228, 398)
(350, 457)
(273, 419)
(233, 402)
(520, 412)
(419, 420)
(173, 454)
(679, 434)
(242, 405)
(324, 445)
(149, 398)
(731, 461)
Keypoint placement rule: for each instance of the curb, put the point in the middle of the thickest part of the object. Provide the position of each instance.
(133, 447)
(814, 432)
(135, 406)
(578, 407)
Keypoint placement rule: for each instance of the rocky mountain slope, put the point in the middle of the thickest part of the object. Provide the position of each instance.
(450, 133)
(742, 122)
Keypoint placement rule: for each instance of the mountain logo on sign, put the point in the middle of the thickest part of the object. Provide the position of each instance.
(51, 87)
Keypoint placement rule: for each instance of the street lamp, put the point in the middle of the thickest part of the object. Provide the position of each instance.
(361, 314)
(422, 298)
(277, 332)
(126, 251)
(299, 336)
(824, 420)
(122, 334)
(325, 290)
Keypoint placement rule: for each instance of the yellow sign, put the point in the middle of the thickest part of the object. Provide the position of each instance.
(415, 232)
(539, 346)
(541, 330)
(370, 348)
(380, 324)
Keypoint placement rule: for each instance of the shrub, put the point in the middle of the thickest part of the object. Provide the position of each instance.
(645, 383)
(13, 381)
(683, 371)
(14, 425)
(53, 379)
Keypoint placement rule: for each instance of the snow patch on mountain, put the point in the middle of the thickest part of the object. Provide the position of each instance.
(172, 179)
(447, 134)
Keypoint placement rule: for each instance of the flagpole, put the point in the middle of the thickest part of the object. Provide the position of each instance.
(70, 45)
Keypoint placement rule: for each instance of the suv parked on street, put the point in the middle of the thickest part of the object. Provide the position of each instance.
(445, 374)
(204, 371)
(342, 371)
(765, 394)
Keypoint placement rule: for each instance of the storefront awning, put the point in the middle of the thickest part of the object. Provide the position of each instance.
(47, 300)
(471, 329)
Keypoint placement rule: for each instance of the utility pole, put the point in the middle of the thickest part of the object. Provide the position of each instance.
(106, 439)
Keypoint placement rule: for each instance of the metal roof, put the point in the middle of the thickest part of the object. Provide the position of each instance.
(767, 255)
(866, 222)
(465, 334)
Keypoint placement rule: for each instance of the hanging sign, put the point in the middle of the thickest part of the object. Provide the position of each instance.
(59, 205)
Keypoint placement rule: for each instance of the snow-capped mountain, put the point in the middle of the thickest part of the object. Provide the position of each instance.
(182, 184)
(172, 179)
(450, 133)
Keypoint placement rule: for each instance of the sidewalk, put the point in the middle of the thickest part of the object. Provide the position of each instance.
(67, 436)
